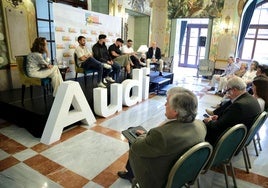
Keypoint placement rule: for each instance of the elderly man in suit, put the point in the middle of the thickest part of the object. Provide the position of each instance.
(244, 108)
(152, 155)
(154, 57)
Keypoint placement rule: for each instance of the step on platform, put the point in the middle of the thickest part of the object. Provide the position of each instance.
(157, 82)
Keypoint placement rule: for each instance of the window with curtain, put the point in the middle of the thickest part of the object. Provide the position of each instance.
(256, 39)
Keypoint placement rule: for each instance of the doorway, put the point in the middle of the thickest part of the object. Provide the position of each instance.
(194, 45)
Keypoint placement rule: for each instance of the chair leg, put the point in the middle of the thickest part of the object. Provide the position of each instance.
(31, 91)
(22, 93)
(76, 76)
(249, 163)
(233, 174)
(198, 182)
(225, 175)
(45, 93)
(93, 74)
(255, 147)
(258, 140)
(245, 159)
(85, 80)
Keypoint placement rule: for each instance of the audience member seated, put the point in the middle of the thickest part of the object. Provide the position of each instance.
(237, 62)
(251, 73)
(87, 61)
(38, 67)
(262, 70)
(116, 54)
(128, 50)
(100, 52)
(244, 108)
(260, 91)
(152, 155)
(154, 57)
(229, 70)
(248, 78)
(223, 81)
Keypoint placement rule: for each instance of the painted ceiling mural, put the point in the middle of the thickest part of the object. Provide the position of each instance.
(194, 8)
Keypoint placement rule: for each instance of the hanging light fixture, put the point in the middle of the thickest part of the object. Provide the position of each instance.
(15, 3)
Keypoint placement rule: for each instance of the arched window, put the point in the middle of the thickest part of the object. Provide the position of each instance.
(256, 40)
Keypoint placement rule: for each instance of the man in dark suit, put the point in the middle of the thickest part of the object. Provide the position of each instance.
(152, 155)
(154, 57)
(244, 109)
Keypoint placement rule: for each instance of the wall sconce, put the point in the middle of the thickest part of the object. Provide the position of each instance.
(227, 24)
(15, 3)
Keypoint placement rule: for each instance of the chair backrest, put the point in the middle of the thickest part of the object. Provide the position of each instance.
(75, 60)
(189, 165)
(255, 128)
(205, 67)
(227, 145)
(24, 78)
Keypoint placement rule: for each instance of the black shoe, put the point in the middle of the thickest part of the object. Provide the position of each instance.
(124, 175)
(218, 93)
(212, 89)
(160, 74)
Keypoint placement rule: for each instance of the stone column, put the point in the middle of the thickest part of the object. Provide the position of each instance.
(159, 24)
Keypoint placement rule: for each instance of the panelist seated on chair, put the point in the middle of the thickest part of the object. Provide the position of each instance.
(116, 54)
(38, 67)
(86, 60)
(154, 57)
(153, 154)
(128, 49)
(100, 52)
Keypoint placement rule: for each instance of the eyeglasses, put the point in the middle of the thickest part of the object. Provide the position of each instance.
(228, 89)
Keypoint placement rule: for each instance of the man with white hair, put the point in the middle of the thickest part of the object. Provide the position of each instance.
(154, 57)
(244, 108)
(152, 155)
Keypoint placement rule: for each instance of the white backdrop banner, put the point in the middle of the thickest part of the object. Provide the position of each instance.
(72, 22)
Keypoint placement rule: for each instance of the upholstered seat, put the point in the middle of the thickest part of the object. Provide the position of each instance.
(225, 148)
(29, 81)
(83, 71)
(250, 137)
(188, 167)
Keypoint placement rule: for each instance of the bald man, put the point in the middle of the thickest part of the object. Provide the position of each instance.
(154, 57)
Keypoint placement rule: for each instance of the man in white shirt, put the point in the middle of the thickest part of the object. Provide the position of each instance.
(128, 49)
(86, 60)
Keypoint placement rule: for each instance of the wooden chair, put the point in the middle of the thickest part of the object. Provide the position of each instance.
(29, 81)
(83, 71)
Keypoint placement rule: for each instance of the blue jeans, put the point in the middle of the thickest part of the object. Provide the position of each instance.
(92, 63)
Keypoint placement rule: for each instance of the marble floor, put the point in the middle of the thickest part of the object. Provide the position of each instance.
(90, 157)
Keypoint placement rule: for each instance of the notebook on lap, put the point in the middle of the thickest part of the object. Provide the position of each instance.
(130, 133)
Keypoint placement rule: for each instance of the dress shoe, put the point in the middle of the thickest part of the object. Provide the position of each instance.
(101, 85)
(212, 89)
(109, 79)
(124, 175)
(209, 112)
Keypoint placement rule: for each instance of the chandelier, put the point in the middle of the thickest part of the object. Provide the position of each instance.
(15, 3)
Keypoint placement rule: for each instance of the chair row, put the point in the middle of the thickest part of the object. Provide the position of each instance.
(202, 157)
